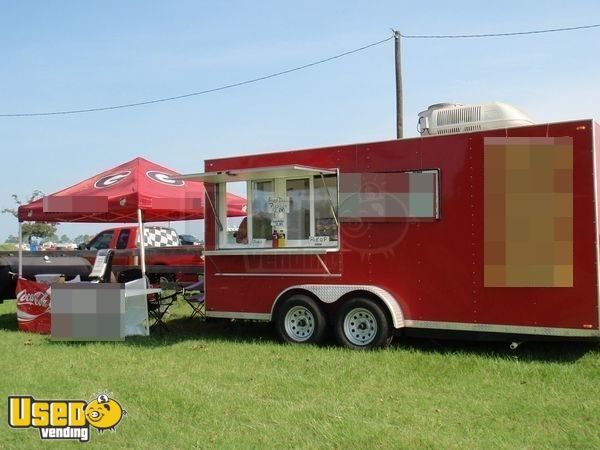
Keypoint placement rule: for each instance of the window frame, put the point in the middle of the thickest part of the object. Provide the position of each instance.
(99, 237)
(279, 190)
(123, 234)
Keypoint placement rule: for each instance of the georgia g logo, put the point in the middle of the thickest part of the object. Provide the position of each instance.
(163, 178)
(111, 180)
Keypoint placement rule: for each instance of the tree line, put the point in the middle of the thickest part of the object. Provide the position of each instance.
(43, 231)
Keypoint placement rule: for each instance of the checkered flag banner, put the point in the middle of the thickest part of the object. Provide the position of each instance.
(160, 237)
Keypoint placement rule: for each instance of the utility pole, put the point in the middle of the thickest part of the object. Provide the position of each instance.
(399, 98)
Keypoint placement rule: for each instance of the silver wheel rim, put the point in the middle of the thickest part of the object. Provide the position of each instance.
(299, 323)
(360, 326)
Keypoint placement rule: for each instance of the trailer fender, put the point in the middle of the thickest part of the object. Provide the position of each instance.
(331, 293)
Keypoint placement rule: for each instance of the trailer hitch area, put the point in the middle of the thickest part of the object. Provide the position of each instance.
(514, 345)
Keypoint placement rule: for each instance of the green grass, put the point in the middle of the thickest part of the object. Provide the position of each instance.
(232, 385)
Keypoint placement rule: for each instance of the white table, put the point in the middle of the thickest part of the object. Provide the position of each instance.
(100, 311)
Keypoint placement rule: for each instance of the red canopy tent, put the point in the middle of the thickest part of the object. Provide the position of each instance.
(136, 191)
(117, 194)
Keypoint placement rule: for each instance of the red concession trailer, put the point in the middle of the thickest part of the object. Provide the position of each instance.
(493, 231)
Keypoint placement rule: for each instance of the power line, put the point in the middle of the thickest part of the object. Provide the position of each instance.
(207, 91)
(517, 33)
(294, 69)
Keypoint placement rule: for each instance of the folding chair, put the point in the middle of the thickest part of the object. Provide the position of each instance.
(194, 296)
(158, 304)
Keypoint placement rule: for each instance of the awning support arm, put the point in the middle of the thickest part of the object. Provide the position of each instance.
(214, 212)
(330, 201)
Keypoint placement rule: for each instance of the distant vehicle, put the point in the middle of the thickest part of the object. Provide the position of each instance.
(163, 251)
(127, 237)
(48, 246)
(66, 246)
(188, 239)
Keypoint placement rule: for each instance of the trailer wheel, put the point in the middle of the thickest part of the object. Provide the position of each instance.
(300, 320)
(362, 324)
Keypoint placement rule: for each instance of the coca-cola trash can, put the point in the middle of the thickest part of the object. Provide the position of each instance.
(33, 306)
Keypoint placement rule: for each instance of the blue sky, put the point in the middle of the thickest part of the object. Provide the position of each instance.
(69, 55)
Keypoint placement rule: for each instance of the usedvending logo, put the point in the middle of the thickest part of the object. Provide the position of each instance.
(65, 419)
(163, 178)
(112, 179)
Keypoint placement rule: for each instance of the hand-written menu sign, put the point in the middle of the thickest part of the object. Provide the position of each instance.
(318, 241)
(258, 242)
(278, 223)
(278, 205)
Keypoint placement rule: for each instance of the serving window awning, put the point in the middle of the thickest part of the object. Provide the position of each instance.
(260, 173)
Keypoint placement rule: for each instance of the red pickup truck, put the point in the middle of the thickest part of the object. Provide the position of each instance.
(165, 256)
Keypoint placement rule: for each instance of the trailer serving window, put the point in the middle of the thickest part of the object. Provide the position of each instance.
(287, 207)
(292, 208)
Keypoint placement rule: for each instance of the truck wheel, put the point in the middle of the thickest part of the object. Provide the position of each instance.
(300, 320)
(362, 324)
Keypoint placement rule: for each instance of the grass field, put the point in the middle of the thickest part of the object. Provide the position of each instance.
(232, 385)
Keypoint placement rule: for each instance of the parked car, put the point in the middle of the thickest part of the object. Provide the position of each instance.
(127, 237)
(66, 246)
(188, 239)
(48, 246)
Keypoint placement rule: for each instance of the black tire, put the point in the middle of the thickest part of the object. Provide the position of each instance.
(300, 320)
(361, 323)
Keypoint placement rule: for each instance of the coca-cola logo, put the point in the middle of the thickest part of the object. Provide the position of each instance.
(164, 178)
(38, 298)
(111, 180)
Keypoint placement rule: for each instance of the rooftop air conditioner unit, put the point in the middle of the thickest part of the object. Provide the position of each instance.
(449, 118)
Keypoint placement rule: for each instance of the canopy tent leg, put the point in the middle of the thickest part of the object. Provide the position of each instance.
(20, 249)
(142, 242)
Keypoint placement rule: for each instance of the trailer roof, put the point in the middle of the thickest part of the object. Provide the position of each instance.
(208, 163)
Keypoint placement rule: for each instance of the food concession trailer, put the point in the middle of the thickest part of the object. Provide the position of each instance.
(488, 231)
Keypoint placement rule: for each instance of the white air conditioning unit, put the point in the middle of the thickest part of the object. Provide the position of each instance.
(450, 118)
